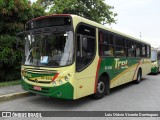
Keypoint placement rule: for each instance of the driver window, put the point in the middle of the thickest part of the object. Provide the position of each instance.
(85, 46)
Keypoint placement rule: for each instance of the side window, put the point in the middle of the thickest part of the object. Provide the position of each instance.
(138, 50)
(144, 50)
(148, 51)
(86, 46)
(120, 46)
(130, 48)
(106, 47)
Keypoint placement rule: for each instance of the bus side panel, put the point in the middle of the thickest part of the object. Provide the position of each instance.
(120, 70)
(123, 70)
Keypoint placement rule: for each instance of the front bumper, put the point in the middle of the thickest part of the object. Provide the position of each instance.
(65, 91)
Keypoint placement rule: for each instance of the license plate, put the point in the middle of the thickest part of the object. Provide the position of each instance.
(37, 88)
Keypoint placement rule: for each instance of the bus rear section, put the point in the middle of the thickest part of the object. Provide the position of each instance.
(155, 59)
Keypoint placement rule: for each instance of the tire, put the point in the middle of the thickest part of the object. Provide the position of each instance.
(102, 88)
(139, 77)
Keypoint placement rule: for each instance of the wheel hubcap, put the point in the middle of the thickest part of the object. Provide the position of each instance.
(100, 87)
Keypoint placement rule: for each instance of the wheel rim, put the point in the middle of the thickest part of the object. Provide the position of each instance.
(100, 87)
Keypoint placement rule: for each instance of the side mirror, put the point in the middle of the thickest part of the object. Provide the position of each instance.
(84, 43)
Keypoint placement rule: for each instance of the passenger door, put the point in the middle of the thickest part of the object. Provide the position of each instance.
(85, 59)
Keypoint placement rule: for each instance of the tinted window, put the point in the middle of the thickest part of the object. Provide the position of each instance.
(106, 47)
(119, 41)
(148, 51)
(120, 46)
(106, 50)
(138, 50)
(144, 51)
(130, 48)
(86, 30)
(120, 51)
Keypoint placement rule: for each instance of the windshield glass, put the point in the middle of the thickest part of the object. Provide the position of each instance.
(153, 55)
(48, 49)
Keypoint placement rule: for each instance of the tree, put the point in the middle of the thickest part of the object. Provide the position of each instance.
(96, 10)
(14, 14)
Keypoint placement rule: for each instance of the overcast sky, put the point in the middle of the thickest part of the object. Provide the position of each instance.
(135, 16)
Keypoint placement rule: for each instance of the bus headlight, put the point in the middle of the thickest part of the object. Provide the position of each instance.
(23, 77)
(54, 83)
(60, 82)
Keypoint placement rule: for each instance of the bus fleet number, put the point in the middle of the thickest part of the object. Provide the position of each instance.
(108, 67)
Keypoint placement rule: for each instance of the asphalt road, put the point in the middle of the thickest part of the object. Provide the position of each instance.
(129, 97)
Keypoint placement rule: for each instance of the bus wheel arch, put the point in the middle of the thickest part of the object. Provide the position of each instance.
(103, 86)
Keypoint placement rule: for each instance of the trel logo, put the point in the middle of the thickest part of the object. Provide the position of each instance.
(121, 64)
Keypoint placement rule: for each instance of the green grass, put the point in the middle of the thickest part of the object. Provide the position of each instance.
(8, 83)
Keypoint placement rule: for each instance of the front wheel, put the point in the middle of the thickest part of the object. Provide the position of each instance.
(101, 88)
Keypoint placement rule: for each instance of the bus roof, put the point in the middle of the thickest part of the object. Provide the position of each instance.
(108, 29)
(84, 20)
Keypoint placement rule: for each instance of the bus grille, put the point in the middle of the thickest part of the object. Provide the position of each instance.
(40, 71)
(39, 75)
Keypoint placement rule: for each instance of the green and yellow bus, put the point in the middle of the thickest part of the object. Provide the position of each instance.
(69, 57)
(155, 59)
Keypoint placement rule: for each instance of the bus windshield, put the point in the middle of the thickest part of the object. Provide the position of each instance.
(48, 49)
(153, 55)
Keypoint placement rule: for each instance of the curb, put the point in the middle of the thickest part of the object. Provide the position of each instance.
(13, 96)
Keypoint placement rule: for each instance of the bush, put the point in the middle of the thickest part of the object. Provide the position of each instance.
(14, 14)
(10, 58)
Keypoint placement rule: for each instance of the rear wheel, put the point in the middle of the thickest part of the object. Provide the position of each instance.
(102, 88)
(139, 76)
